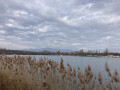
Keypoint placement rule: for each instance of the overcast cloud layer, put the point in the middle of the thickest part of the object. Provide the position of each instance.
(62, 24)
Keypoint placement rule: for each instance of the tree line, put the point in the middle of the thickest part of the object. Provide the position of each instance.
(45, 52)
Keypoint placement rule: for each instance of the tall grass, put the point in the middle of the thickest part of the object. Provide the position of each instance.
(25, 73)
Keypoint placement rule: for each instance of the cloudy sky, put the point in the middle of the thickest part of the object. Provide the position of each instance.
(62, 24)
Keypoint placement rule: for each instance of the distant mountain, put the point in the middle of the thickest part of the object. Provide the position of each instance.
(49, 49)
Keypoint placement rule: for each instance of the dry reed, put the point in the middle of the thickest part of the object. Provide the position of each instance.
(25, 73)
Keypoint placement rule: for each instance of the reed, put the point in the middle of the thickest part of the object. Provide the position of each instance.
(27, 73)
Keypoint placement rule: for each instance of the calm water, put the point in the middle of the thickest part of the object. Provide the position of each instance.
(97, 64)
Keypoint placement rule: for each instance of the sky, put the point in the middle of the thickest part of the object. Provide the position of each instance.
(61, 24)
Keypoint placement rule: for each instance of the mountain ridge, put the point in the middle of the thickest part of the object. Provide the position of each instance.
(49, 49)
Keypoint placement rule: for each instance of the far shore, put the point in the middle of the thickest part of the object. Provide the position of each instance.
(109, 56)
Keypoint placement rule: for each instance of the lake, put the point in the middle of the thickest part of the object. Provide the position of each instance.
(97, 64)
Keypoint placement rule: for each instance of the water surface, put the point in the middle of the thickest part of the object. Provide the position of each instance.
(97, 64)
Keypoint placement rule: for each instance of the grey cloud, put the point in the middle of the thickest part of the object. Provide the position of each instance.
(71, 24)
